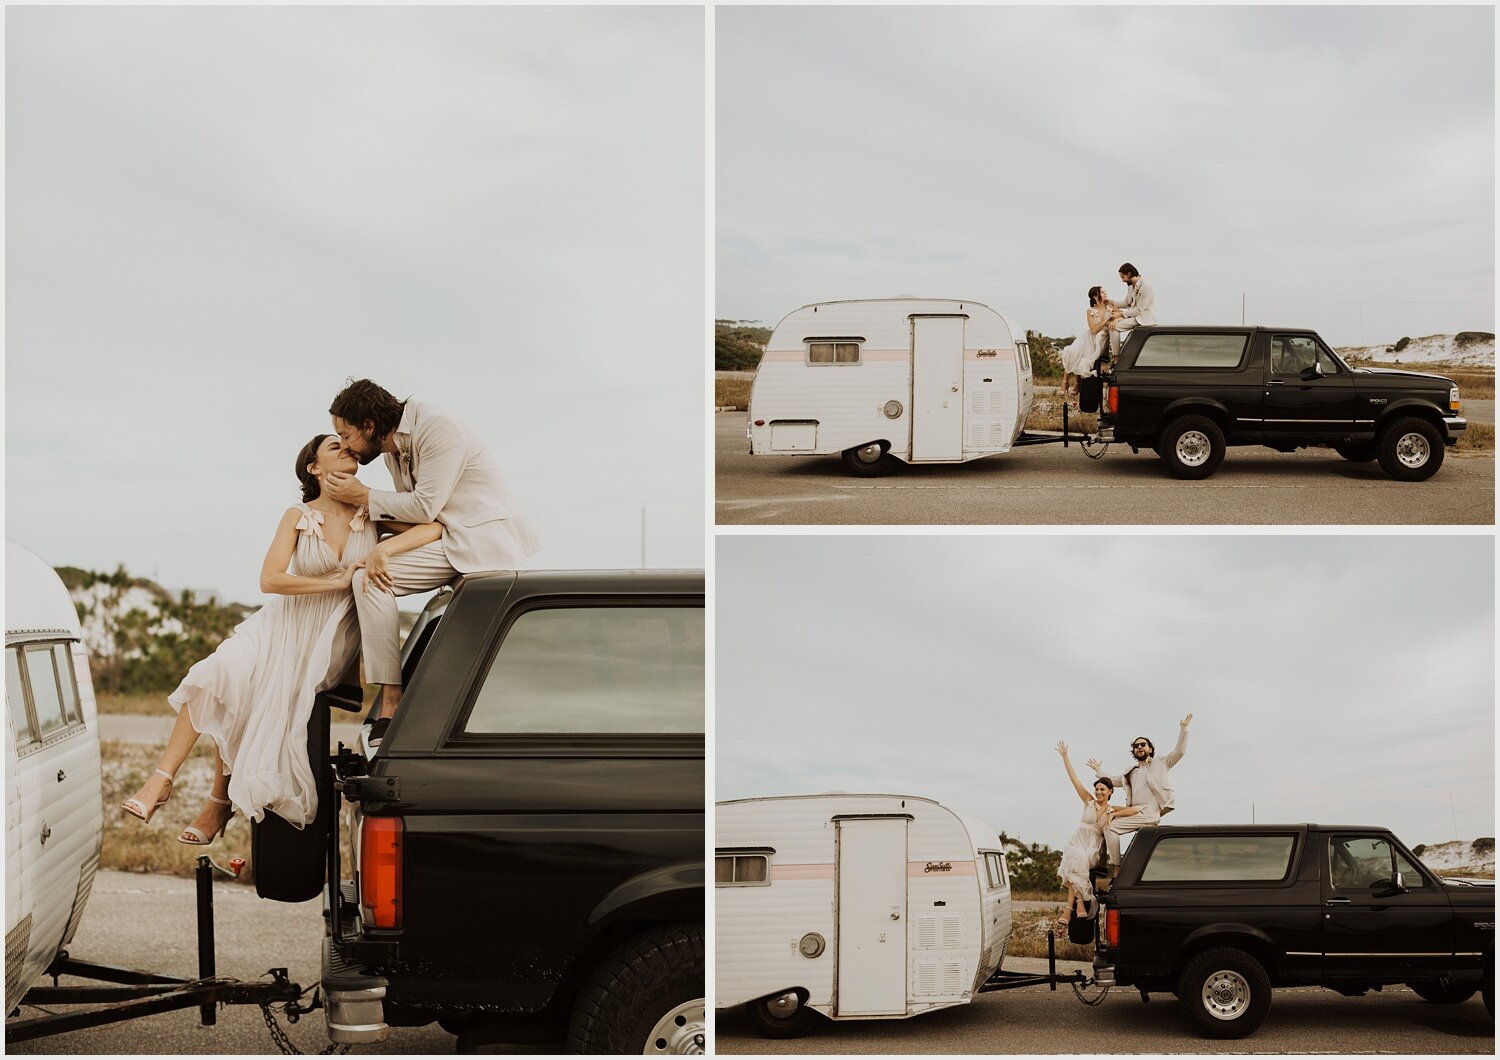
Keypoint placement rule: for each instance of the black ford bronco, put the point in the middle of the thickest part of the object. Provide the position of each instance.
(1221, 914)
(528, 840)
(1190, 392)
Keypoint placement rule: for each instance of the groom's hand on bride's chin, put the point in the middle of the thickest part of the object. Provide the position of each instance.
(345, 488)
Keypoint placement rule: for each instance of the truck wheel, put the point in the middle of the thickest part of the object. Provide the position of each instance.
(1440, 993)
(645, 997)
(1225, 993)
(869, 461)
(1357, 452)
(782, 1015)
(1192, 446)
(1410, 449)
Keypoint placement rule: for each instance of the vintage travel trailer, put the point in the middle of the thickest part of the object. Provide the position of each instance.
(920, 380)
(855, 907)
(53, 816)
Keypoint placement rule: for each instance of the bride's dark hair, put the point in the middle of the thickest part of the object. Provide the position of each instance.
(1094, 293)
(309, 455)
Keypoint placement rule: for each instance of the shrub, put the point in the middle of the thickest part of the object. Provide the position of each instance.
(1401, 344)
(1484, 845)
(1036, 869)
(1469, 338)
(1417, 850)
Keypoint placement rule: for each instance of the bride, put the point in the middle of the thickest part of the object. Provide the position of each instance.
(254, 694)
(1079, 356)
(1082, 851)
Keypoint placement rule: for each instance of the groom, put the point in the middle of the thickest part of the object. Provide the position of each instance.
(1138, 308)
(1146, 786)
(444, 474)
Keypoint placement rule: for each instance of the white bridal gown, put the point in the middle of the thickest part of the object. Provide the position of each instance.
(1082, 851)
(1079, 355)
(254, 694)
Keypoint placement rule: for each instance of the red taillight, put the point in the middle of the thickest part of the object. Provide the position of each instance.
(1111, 398)
(380, 871)
(1112, 928)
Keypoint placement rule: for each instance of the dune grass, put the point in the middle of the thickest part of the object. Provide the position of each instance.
(732, 393)
(1028, 937)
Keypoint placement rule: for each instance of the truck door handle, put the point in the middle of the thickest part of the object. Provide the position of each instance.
(1275, 382)
(1339, 901)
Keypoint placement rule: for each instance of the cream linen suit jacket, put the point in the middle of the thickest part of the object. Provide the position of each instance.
(443, 473)
(1152, 775)
(1140, 305)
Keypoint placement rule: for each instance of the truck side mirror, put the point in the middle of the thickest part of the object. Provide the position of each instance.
(1386, 888)
(1312, 372)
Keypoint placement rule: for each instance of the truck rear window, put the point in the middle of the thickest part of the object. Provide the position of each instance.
(1219, 858)
(1191, 351)
(596, 670)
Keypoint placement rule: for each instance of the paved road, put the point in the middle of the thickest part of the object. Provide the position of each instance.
(155, 728)
(1036, 1020)
(1049, 484)
(148, 922)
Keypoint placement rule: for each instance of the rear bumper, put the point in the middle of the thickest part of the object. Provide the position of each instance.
(354, 1000)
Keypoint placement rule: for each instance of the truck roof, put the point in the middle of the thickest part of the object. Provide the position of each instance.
(1220, 829)
(583, 581)
(1220, 328)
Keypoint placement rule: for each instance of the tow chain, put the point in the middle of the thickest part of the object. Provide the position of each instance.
(1098, 450)
(286, 1045)
(1079, 988)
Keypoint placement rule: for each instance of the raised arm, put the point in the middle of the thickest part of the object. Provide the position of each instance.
(1083, 792)
(1175, 755)
(273, 575)
(1098, 768)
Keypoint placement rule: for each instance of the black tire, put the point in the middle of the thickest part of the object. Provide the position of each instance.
(1192, 447)
(869, 461)
(1225, 993)
(625, 1004)
(1410, 449)
(1441, 993)
(771, 1022)
(1357, 452)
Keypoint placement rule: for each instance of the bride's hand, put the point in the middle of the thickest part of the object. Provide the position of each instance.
(1062, 748)
(345, 577)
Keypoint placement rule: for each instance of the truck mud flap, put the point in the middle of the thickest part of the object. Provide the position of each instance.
(353, 999)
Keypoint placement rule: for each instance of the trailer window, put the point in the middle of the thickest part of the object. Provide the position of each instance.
(15, 697)
(603, 670)
(46, 696)
(1024, 351)
(994, 867)
(1172, 350)
(742, 870)
(833, 353)
(1221, 858)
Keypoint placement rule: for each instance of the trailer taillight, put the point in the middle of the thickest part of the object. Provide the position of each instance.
(1111, 398)
(380, 871)
(1112, 928)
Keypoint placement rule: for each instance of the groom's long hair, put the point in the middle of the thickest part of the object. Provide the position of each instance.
(364, 402)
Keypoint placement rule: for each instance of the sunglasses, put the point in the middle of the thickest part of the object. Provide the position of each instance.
(1135, 745)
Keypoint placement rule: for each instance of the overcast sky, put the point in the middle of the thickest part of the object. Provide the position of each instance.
(1334, 164)
(217, 215)
(1343, 680)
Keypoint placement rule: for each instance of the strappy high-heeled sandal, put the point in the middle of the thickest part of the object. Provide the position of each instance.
(194, 837)
(137, 808)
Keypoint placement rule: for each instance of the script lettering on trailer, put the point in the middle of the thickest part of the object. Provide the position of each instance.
(939, 866)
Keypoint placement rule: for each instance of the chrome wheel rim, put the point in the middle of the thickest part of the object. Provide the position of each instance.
(1226, 995)
(681, 1032)
(1412, 450)
(869, 454)
(1193, 448)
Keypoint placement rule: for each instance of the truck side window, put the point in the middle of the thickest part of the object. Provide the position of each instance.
(1357, 863)
(1223, 858)
(1292, 354)
(1176, 350)
(1412, 875)
(605, 670)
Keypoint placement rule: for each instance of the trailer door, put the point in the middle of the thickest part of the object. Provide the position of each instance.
(937, 382)
(872, 916)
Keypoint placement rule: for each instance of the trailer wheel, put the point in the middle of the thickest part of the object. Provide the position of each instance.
(1225, 993)
(1410, 449)
(1357, 452)
(1441, 993)
(1192, 447)
(782, 1015)
(645, 997)
(869, 461)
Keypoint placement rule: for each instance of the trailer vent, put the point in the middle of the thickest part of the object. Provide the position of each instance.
(938, 978)
(940, 932)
